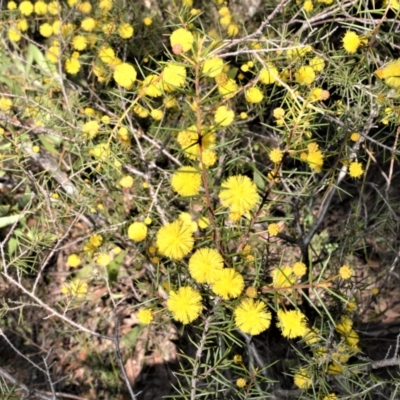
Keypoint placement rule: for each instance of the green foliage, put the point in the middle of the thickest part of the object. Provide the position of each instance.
(199, 188)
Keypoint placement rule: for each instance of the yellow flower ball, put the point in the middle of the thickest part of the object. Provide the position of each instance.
(308, 6)
(302, 379)
(79, 42)
(88, 24)
(73, 261)
(147, 21)
(125, 31)
(305, 75)
(22, 25)
(26, 8)
(126, 182)
(351, 42)
(11, 5)
(317, 63)
(145, 316)
(181, 40)
(5, 104)
(106, 5)
(85, 7)
(252, 316)
(173, 77)
(157, 114)
(125, 75)
(54, 8)
(137, 231)
(232, 30)
(184, 304)
(346, 272)
(72, 65)
(213, 67)
(14, 34)
(355, 169)
(90, 129)
(268, 75)
(254, 95)
(224, 116)
(276, 156)
(241, 383)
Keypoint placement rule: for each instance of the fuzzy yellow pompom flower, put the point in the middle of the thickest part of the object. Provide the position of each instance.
(292, 323)
(299, 269)
(354, 137)
(125, 75)
(302, 379)
(79, 42)
(175, 240)
(152, 86)
(213, 67)
(88, 24)
(11, 5)
(103, 259)
(73, 261)
(125, 31)
(346, 272)
(308, 6)
(5, 104)
(126, 182)
(185, 304)
(137, 231)
(181, 40)
(239, 193)
(190, 141)
(54, 7)
(145, 316)
(147, 21)
(273, 229)
(14, 34)
(228, 283)
(224, 116)
(157, 114)
(208, 158)
(228, 87)
(305, 75)
(283, 277)
(106, 5)
(90, 129)
(22, 25)
(268, 75)
(254, 95)
(344, 326)
(204, 265)
(241, 383)
(107, 55)
(186, 181)
(314, 157)
(317, 64)
(173, 77)
(278, 113)
(26, 8)
(141, 111)
(390, 73)
(276, 156)
(72, 64)
(252, 317)
(232, 30)
(351, 42)
(355, 169)
(76, 288)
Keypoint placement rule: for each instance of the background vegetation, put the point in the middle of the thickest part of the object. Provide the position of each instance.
(199, 199)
